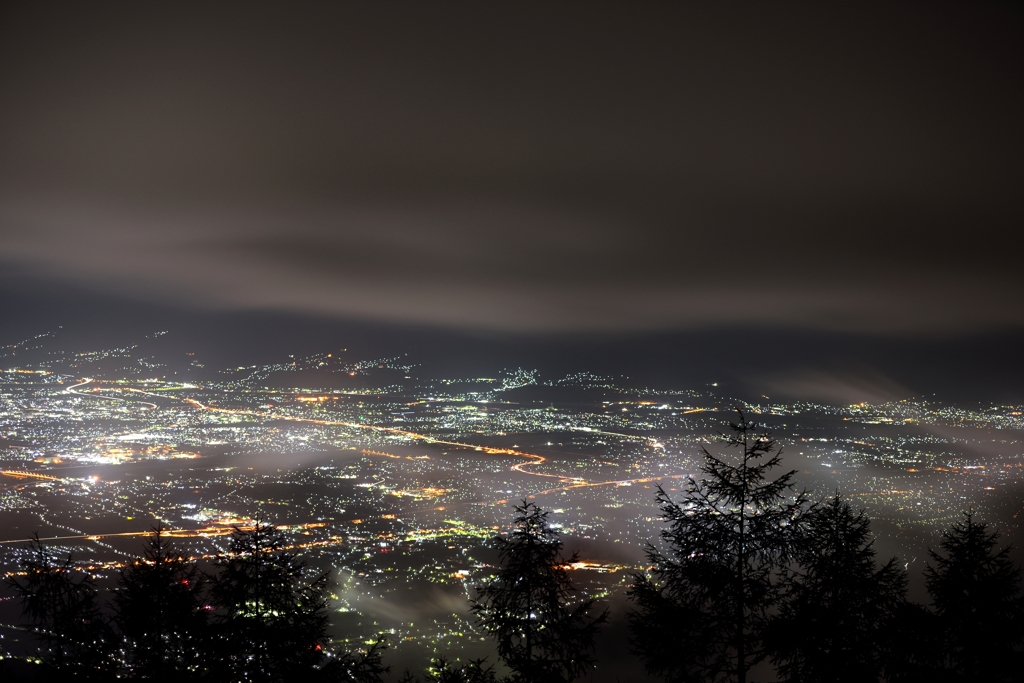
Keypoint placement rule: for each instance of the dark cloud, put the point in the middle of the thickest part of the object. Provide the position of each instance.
(585, 167)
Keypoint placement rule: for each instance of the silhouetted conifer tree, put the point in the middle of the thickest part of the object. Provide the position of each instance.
(62, 606)
(357, 667)
(976, 593)
(839, 605)
(271, 623)
(526, 607)
(911, 648)
(160, 614)
(443, 671)
(701, 613)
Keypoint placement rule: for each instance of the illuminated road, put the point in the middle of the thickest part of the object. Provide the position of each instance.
(21, 474)
(531, 458)
(617, 482)
(205, 532)
(71, 390)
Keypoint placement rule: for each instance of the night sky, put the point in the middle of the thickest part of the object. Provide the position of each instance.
(842, 181)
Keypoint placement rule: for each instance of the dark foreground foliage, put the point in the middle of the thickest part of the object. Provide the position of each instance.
(443, 671)
(979, 609)
(839, 609)
(62, 608)
(541, 635)
(160, 613)
(260, 617)
(727, 545)
(269, 620)
(750, 573)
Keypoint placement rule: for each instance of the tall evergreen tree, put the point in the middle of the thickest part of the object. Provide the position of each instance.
(62, 605)
(911, 650)
(527, 607)
(443, 671)
(271, 620)
(160, 614)
(702, 611)
(976, 593)
(840, 605)
(366, 666)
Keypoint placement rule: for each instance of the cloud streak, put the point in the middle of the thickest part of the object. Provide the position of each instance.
(618, 171)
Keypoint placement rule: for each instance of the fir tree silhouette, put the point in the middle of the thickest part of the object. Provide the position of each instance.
(976, 594)
(160, 614)
(701, 613)
(911, 648)
(443, 671)
(366, 666)
(62, 606)
(840, 606)
(271, 622)
(527, 607)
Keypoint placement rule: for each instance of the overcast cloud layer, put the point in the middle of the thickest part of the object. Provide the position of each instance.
(582, 168)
